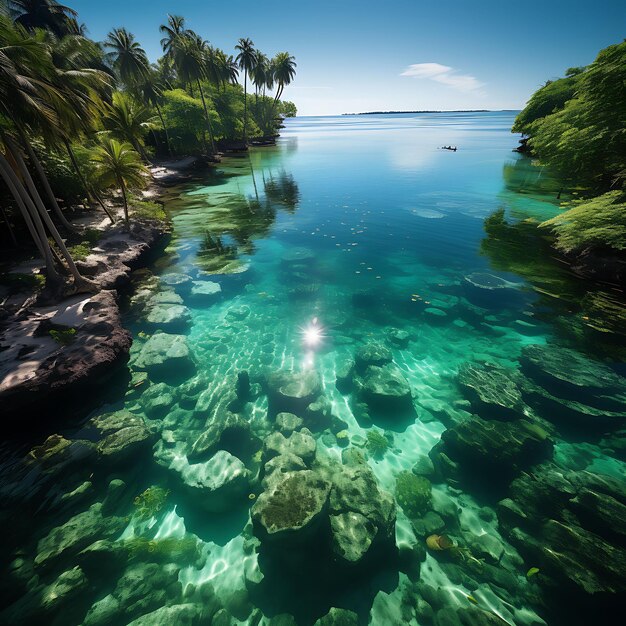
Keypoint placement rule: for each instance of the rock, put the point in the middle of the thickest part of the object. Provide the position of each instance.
(424, 466)
(172, 318)
(144, 587)
(297, 255)
(352, 535)
(355, 491)
(502, 447)
(372, 354)
(180, 282)
(165, 297)
(299, 443)
(217, 484)
(487, 547)
(492, 390)
(108, 423)
(286, 423)
(447, 617)
(281, 464)
(165, 355)
(179, 614)
(232, 433)
(205, 291)
(399, 338)
(430, 523)
(338, 617)
(76, 534)
(292, 392)
(157, 400)
(57, 455)
(385, 388)
(126, 444)
(567, 372)
(344, 372)
(490, 291)
(292, 509)
(238, 313)
(414, 494)
(114, 496)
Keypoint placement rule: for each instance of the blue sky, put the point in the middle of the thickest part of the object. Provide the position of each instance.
(401, 55)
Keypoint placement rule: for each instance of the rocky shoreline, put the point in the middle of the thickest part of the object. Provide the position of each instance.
(51, 350)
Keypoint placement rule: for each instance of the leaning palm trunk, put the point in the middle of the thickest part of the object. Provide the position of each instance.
(88, 190)
(8, 223)
(29, 213)
(46, 185)
(80, 282)
(245, 106)
(167, 136)
(208, 119)
(120, 181)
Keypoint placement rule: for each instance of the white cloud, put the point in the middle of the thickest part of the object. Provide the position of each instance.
(445, 75)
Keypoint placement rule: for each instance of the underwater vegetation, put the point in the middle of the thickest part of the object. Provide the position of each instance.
(377, 444)
(150, 502)
(413, 494)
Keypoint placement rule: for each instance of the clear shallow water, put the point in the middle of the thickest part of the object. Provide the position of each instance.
(349, 230)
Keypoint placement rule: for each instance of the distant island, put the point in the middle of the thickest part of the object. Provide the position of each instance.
(399, 112)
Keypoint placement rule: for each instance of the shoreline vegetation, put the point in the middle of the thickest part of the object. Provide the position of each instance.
(575, 126)
(89, 131)
(424, 111)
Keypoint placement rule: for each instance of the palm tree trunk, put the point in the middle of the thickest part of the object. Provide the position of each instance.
(124, 198)
(167, 136)
(208, 120)
(90, 192)
(245, 106)
(81, 283)
(29, 213)
(46, 185)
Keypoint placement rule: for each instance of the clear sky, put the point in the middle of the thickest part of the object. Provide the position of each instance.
(397, 55)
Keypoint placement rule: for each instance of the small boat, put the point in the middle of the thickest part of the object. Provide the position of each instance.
(451, 148)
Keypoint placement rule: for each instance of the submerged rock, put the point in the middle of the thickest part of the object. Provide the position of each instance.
(231, 433)
(372, 354)
(385, 388)
(126, 444)
(492, 390)
(291, 391)
(205, 291)
(299, 443)
(169, 317)
(292, 509)
(502, 447)
(338, 617)
(165, 355)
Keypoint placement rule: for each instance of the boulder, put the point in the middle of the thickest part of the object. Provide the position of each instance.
(205, 291)
(126, 444)
(164, 297)
(180, 282)
(338, 617)
(232, 433)
(372, 354)
(299, 443)
(385, 389)
(286, 423)
(292, 509)
(157, 400)
(281, 464)
(492, 446)
(291, 391)
(172, 318)
(77, 533)
(217, 484)
(492, 390)
(165, 355)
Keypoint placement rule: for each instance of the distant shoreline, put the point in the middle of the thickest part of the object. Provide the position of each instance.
(456, 111)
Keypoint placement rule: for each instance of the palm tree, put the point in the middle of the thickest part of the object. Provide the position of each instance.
(284, 71)
(151, 90)
(247, 59)
(118, 165)
(127, 57)
(190, 54)
(128, 120)
(259, 74)
(175, 26)
(46, 14)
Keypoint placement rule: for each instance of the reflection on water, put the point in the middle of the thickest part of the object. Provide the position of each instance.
(352, 385)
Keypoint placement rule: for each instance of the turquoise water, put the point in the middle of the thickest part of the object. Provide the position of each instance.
(351, 231)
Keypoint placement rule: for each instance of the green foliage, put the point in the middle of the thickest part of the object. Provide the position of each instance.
(533, 571)
(287, 108)
(599, 222)
(146, 208)
(184, 118)
(17, 281)
(548, 99)
(60, 173)
(413, 494)
(80, 251)
(377, 444)
(584, 142)
(182, 551)
(63, 336)
(150, 502)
